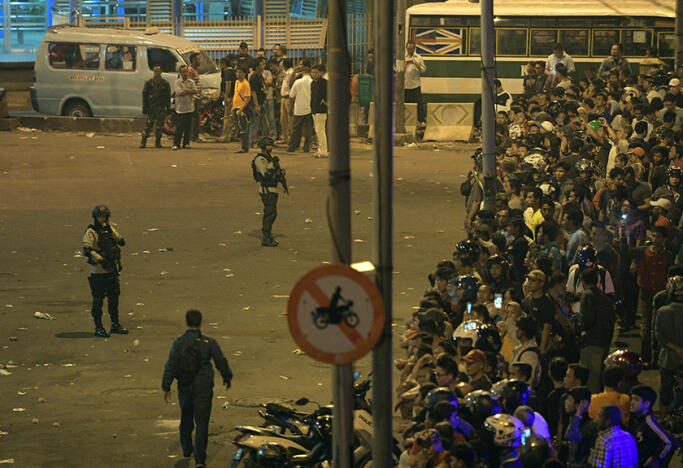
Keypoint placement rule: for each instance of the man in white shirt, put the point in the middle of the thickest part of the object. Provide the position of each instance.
(184, 89)
(558, 56)
(303, 120)
(286, 102)
(528, 352)
(414, 68)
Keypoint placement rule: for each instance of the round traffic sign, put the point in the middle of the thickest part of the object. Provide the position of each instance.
(335, 314)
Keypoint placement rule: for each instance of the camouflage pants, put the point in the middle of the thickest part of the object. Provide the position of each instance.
(154, 117)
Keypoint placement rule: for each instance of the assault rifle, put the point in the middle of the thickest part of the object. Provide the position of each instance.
(280, 174)
(111, 252)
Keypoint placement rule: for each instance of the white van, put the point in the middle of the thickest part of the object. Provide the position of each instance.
(83, 72)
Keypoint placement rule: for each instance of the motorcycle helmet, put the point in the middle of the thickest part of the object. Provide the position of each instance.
(478, 156)
(467, 247)
(265, 141)
(488, 339)
(537, 161)
(468, 329)
(101, 210)
(481, 405)
(272, 455)
(507, 430)
(587, 257)
(511, 393)
(534, 451)
(439, 394)
(498, 260)
(673, 171)
(516, 131)
(584, 165)
(469, 284)
(630, 362)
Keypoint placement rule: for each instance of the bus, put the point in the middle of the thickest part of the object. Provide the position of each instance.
(447, 35)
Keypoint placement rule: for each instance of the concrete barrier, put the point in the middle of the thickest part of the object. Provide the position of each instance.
(410, 119)
(81, 124)
(449, 121)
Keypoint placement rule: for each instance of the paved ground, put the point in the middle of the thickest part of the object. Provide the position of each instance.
(105, 394)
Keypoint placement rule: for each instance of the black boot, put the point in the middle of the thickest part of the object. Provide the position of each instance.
(268, 241)
(117, 328)
(157, 144)
(101, 332)
(143, 142)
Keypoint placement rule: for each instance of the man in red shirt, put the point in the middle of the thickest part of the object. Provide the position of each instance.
(651, 263)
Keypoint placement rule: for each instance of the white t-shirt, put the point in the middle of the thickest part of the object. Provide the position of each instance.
(301, 93)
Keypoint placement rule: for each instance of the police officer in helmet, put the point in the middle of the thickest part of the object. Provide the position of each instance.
(267, 172)
(101, 246)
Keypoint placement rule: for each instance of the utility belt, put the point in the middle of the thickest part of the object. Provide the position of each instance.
(268, 185)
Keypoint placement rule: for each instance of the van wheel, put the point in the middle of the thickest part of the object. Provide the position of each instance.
(77, 108)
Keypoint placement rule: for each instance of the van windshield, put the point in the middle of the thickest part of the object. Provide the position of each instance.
(206, 65)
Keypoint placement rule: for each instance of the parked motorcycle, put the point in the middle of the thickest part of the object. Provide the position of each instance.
(304, 440)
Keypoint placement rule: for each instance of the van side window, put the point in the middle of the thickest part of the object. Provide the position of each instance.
(162, 57)
(74, 56)
(120, 57)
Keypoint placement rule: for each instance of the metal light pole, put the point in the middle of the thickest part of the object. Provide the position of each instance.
(340, 210)
(382, 391)
(488, 96)
(679, 32)
(6, 26)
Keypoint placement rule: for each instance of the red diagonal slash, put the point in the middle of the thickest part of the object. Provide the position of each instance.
(324, 301)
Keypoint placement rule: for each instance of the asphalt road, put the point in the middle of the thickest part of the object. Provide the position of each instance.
(104, 394)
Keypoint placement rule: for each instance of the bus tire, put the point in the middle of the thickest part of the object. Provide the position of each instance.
(76, 108)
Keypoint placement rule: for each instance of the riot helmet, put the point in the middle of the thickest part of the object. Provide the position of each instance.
(265, 141)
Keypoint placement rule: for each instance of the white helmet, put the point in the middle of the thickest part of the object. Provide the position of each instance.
(467, 329)
(507, 430)
(537, 161)
(516, 131)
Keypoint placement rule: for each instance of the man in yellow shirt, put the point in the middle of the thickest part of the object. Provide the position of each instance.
(240, 108)
(613, 377)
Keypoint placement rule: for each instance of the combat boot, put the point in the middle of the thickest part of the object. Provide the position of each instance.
(157, 144)
(143, 142)
(117, 328)
(268, 241)
(101, 332)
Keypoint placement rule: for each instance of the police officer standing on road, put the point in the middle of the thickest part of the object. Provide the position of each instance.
(267, 172)
(156, 99)
(189, 362)
(101, 246)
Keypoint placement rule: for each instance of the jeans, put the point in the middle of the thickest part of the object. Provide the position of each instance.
(270, 117)
(320, 124)
(195, 412)
(301, 123)
(286, 118)
(242, 124)
(666, 386)
(259, 121)
(104, 285)
(592, 357)
(183, 129)
(415, 96)
(645, 310)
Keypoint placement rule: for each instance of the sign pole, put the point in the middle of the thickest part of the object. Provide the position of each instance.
(340, 211)
(488, 96)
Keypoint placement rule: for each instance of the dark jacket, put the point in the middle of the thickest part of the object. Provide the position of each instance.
(653, 443)
(597, 318)
(156, 95)
(318, 94)
(209, 350)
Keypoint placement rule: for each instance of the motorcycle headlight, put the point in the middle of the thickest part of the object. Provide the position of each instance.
(210, 93)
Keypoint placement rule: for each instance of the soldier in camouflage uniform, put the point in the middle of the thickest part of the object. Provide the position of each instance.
(156, 99)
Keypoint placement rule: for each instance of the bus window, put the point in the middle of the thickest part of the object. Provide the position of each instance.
(667, 44)
(636, 42)
(603, 41)
(475, 41)
(162, 57)
(120, 58)
(574, 41)
(511, 41)
(542, 41)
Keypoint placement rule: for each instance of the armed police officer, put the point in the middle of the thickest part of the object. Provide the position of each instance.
(268, 173)
(156, 99)
(101, 245)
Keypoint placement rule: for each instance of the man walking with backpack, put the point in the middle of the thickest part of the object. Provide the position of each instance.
(189, 362)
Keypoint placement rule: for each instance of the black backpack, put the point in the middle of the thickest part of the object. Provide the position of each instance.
(190, 361)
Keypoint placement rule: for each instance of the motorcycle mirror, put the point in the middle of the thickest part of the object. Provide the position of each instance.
(356, 375)
(302, 401)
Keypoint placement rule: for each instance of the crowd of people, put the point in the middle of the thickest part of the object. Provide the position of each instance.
(512, 356)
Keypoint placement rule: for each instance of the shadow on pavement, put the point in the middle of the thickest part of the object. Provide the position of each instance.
(75, 335)
(183, 463)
